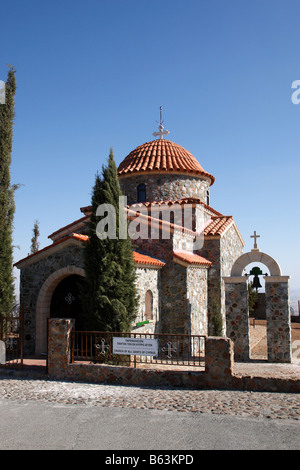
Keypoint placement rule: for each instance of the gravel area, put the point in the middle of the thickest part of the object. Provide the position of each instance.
(238, 403)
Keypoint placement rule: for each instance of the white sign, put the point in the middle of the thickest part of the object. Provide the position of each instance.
(2, 352)
(135, 346)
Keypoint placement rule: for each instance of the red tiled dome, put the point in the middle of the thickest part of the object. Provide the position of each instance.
(160, 156)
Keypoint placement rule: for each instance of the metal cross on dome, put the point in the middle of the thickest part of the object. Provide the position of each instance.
(161, 132)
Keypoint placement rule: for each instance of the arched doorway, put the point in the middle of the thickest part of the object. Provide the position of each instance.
(44, 303)
(65, 301)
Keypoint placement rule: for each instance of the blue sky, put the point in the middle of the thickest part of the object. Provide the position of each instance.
(92, 75)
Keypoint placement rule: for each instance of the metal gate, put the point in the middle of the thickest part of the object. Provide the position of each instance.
(11, 341)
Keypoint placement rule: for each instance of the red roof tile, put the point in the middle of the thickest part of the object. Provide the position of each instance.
(147, 260)
(218, 225)
(138, 257)
(76, 224)
(161, 156)
(182, 201)
(191, 258)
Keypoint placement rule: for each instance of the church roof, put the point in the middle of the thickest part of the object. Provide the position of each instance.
(138, 258)
(184, 257)
(159, 156)
(171, 202)
(69, 239)
(218, 225)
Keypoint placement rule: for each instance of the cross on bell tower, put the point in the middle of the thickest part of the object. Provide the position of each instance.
(161, 132)
(255, 239)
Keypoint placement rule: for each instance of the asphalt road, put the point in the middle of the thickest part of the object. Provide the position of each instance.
(33, 425)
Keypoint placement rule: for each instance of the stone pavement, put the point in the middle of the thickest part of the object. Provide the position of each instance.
(284, 406)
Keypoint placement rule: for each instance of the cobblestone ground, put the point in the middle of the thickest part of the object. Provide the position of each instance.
(238, 403)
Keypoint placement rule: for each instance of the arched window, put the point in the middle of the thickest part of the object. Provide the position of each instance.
(149, 305)
(207, 197)
(141, 193)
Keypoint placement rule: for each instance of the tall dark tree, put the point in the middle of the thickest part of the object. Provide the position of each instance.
(35, 236)
(7, 204)
(109, 295)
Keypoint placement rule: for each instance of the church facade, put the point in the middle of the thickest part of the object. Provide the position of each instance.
(182, 249)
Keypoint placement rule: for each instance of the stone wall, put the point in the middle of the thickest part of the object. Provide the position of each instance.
(218, 359)
(222, 251)
(211, 251)
(59, 346)
(219, 363)
(32, 278)
(237, 316)
(231, 248)
(278, 318)
(197, 299)
(166, 187)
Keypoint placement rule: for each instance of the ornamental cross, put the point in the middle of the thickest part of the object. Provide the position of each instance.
(168, 349)
(69, 298)
(255, 238)
(101, 348)
(161, 131)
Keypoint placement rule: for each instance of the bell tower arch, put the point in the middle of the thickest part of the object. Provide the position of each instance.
(277, 307)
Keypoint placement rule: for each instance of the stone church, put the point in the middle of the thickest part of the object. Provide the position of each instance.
(179, 281)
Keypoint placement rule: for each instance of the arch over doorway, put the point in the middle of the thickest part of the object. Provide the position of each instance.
(44, 302)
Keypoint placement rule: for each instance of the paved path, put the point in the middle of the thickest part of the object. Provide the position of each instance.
(46, 414)
(237, 403)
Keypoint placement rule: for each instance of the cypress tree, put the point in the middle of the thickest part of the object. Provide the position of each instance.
(34, 241)
(109, 295)
(7, 205)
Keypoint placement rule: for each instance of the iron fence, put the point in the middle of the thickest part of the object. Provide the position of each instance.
(11, 341)
(132, 349)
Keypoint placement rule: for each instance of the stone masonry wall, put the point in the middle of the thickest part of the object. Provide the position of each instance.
(278, 319)
(222, 252)
(164, 187)
(237, 316)
(218, 360)
(183, 290)
(218, 373)
(197, 299)
(211, 251)
(231, 248)
(32, 278)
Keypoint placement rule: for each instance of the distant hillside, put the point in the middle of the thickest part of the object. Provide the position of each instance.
(294, 297)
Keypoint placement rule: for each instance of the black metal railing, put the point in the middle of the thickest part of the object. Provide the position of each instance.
(132, 349)
(11, 341)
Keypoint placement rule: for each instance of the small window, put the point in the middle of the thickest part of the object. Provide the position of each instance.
(141, 193)
(207, 197)
(149, 305)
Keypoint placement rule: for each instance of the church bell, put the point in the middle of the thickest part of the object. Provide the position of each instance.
(256, 282)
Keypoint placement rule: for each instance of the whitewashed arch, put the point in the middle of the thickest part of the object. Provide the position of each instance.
(252, 257)
(44, 301)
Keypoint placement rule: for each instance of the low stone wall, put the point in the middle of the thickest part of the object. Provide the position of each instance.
(218, 374)
(218, 360)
